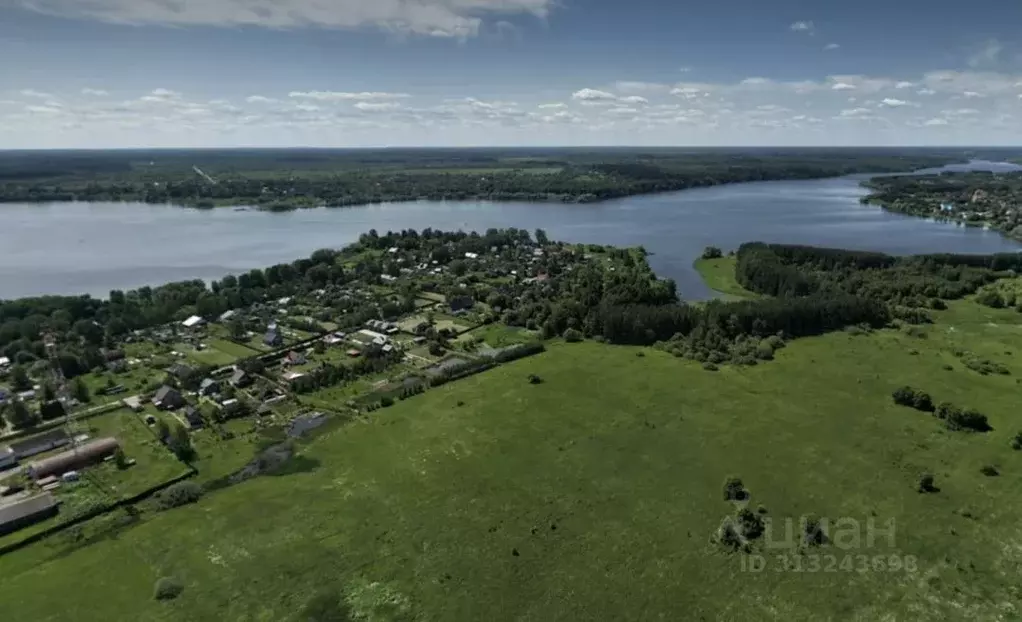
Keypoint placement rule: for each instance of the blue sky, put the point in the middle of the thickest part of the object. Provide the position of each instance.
(160, 73)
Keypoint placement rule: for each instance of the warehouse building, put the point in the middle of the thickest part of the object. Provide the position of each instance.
(81, 456)
(26, 511)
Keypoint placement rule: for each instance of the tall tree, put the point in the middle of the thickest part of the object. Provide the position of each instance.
(20, 416)
(19, 378)
(80, 391)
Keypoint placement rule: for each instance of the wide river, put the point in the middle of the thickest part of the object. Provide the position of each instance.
(72, 248)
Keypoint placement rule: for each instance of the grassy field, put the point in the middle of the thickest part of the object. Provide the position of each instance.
(719, 274)
(592, 496)
(498, 335)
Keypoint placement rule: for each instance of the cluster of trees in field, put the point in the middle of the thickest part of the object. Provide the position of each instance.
(953, 417)
(973, 198)
(569, 176)
(1003, 294)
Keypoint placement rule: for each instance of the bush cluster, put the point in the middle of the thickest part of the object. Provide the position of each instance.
(176, 495)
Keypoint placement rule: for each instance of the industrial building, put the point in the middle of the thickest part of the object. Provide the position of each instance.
(81, 456)
(19, 513)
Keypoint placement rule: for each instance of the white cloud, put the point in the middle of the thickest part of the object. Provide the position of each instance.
(842, 86)
(259, 99)
(855, 112)
(890, 102)
(438, 18)
(94, 92)
(935, 122)
(831, 46)
(904, 85)
(629, 86)
(377, 106)
(43, 109)
(755, 81)
(341, 96)
(972, 94)
(633, 99)
(688, 92)
(556, 106)
(35, 94)
(803, 26)
(926, 92)
(592, 95)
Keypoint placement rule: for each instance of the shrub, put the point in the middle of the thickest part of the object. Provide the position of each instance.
(926, 483)
(534, 379)
(944, 410)
(572, 335)
(751, 522)
(914, 398)
(922, 401)
(1016, 443)
(712, 252)
(971, 420)
(167, 588)
(765, 350)
(734, 490)
(176, 495)
(813, 531)
(386, 401)
(990, 470)
(708, 366)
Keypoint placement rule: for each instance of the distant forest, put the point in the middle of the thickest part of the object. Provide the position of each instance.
(294, 178)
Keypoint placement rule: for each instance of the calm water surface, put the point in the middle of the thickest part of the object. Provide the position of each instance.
(92, 248)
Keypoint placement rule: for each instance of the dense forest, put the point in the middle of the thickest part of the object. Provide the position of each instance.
(973, 199)
(289, 179)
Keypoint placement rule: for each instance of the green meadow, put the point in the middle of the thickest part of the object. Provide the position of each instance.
(594, 495)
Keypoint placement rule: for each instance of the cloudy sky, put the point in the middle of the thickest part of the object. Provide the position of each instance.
(352, 73)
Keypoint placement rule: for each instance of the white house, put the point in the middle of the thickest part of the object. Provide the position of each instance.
(471, 255)
(192, 322)
(4, 362)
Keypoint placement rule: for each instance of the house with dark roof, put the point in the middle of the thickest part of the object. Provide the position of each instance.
(180, 371)
(194, 417)
(209, 387)
(168, 398)
(240, 379)
(273, 338)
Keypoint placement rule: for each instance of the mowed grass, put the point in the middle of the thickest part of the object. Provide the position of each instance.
(719, 275)
(606, 481)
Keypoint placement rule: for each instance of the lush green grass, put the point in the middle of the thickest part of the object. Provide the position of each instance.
(606, 479)
(135, 381)
(498, 335)
(719, 274)
(208, 356)
(237, 350)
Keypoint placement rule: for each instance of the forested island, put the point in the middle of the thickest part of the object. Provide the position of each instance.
(290, 179)
(978, 199)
